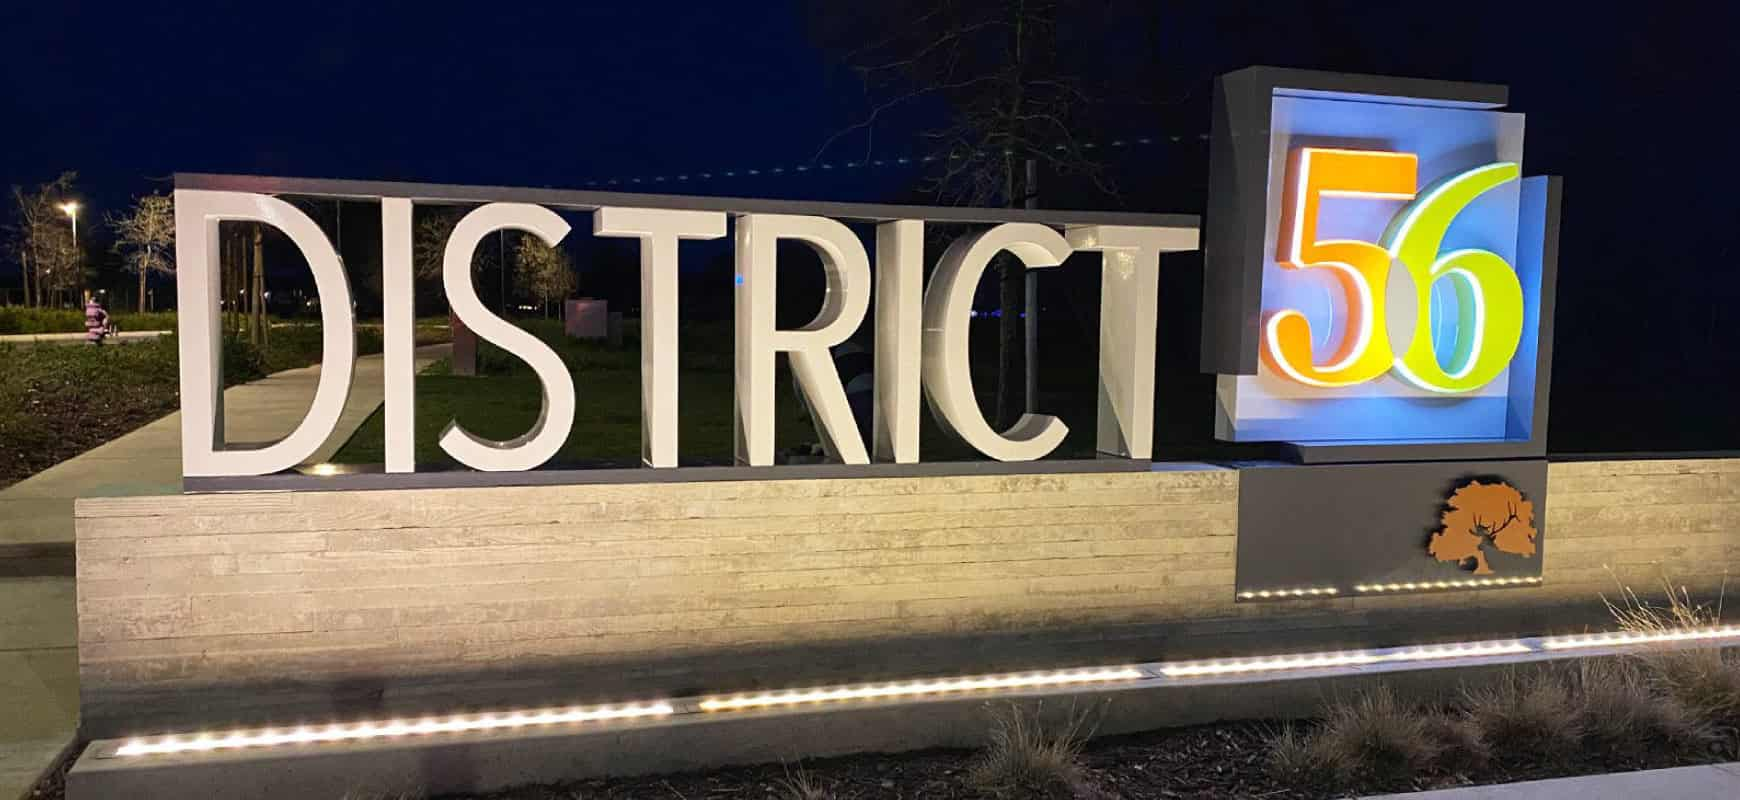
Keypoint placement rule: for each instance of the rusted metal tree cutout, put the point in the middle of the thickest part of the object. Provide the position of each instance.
(1482, 515)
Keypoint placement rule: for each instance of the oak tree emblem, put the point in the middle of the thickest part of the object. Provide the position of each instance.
(1482, 515)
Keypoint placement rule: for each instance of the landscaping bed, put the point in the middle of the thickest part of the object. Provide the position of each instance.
(1651, 709)
(1217, 761)
(1584, 717)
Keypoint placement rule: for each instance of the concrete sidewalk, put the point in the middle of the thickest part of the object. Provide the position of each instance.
(38, 509)
(78, 338)
(38, 620)
(1680, 783)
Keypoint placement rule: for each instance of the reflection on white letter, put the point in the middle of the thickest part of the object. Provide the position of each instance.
(197, 214)
(1129, 316)
(556, 414)
(659, 230)
(848, 298)
(899, 298)
(948, 381)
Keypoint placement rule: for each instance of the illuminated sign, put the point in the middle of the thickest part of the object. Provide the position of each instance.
(1378, 275)
(1379, 271)
(921, 330)
(1488, 298)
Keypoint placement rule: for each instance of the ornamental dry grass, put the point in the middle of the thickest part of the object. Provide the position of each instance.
(1704, 681)
(1528, 716)
(1027, 759)
(1373, 739)
(1297, 758)
(801, 785)
(1626, 717)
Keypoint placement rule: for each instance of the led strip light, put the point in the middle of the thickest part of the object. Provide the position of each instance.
(1307, 661)
(1031, 680)
(1157, 674)
(1422, 586)
(394, 728)
(1623, 638)
(1275, 594)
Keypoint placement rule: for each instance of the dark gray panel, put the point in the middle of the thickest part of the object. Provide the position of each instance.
(1348, 525)
(1238, 159)
(436, 193)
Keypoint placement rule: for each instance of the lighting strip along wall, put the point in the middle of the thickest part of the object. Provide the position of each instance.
(1287, 594)
(1031, 680)
(391, 729)
(1624, 638)
(1426, 586)
(1153, 675)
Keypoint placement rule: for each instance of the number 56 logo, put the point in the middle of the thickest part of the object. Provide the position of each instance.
(1489, 298)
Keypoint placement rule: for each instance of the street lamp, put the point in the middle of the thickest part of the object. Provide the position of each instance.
(72, 210)
(71, 207)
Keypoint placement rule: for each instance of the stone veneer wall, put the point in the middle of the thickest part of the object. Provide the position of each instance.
(220, 598)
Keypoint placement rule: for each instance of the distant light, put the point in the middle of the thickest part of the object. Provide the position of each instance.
(324, 469)
(71, 208)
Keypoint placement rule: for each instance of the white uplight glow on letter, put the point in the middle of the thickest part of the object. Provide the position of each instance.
(398, 335)
(848, 297)
(556, 414)
(1129, 317)
(659, 231)
(197, 214)
(948, 383)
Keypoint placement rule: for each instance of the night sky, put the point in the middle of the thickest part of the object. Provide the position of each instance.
(1632, 106)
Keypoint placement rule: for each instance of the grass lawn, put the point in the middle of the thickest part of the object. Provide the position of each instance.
(503, 401)
(57, 401)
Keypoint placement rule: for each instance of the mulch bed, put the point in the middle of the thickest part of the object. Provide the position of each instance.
(1200, 763)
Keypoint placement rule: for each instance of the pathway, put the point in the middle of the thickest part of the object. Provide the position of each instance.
(1680, 783)
(38, 620)
(78, 338)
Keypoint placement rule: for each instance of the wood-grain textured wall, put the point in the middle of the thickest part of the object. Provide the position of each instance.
(181, 593)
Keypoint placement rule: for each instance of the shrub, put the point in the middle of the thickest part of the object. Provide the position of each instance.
(1026, 760)
(19, 319)
(1376, 738)
(1526, 716)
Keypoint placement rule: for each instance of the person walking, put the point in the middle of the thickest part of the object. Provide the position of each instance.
(97, 325)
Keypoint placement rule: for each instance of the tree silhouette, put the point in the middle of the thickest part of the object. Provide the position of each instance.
(1481, 515)
(145, 236)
